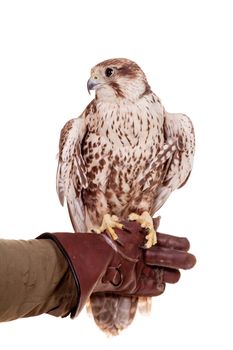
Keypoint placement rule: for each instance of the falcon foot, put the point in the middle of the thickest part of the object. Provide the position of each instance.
(108, 224)
(146, 221)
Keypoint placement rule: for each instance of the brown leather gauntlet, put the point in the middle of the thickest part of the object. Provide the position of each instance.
(100, 264)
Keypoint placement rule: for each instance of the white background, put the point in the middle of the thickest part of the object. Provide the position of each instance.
(185, 48)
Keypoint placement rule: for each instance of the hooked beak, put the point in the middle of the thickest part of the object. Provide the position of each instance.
(91, 84)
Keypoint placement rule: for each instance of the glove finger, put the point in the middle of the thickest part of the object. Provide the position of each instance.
(155, 282)
(171, 275)
(164, 257)
(179, 243)
(151, 282)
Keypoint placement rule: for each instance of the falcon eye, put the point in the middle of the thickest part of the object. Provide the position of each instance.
(108, 72)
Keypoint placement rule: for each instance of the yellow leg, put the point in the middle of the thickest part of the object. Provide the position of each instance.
(146, 221)
(108, 224)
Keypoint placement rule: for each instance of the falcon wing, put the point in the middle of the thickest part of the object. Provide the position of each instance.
(178, 130)
(179, 127)
(71, 173)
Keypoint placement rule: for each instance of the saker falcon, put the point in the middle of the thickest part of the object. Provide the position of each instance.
(121, 158)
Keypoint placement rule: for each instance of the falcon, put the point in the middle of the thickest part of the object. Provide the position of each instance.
(121, 158)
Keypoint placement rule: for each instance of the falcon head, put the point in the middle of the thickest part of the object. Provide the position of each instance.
(118, 78)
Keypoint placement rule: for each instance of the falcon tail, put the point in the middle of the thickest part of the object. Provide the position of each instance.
(113, 313)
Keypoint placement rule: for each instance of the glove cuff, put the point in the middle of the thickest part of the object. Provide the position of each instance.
(86, 253)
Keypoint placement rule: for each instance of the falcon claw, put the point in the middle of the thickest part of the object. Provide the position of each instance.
(118, 241)
(125, 228)
(108, 225)
(143, 246)
(146, 222)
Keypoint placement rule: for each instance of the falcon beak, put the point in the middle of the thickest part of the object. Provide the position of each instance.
(91, 84)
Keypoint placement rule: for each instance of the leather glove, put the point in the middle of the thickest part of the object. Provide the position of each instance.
(124, 267)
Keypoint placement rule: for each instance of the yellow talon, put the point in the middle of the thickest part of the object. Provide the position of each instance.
(146, 221)
(108, 224)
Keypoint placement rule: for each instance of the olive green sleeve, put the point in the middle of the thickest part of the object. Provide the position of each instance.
(34, 279)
